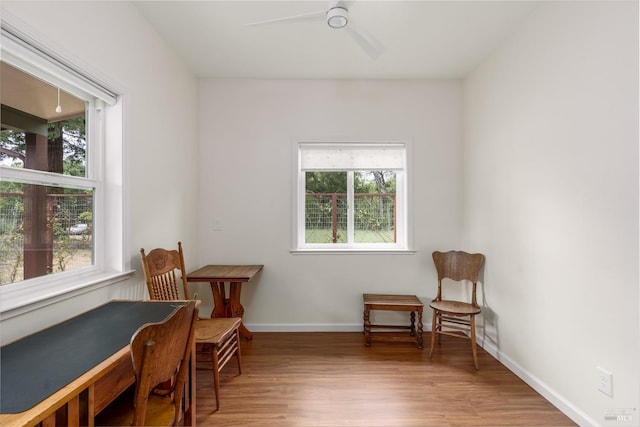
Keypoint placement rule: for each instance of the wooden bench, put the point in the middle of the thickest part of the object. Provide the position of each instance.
(409, 303)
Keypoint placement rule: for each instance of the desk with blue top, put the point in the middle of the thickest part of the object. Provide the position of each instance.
(68, 373)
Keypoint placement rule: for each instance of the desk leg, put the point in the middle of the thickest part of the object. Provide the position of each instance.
(236, 309)
(219, 303)
(73, 411)
(50, 421)
(91, 402)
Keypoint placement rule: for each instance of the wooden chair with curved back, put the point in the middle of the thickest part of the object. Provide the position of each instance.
(160, 353)
(219, 335)
(160, 268)
(452, 317)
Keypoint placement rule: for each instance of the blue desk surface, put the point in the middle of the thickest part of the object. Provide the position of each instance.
(34, 367)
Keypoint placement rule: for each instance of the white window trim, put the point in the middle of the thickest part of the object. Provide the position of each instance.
(298, 203)
(24, 52)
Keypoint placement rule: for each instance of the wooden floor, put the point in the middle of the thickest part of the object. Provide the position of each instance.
(332, 379)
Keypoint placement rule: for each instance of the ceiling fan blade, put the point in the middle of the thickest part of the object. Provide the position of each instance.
(372, 46)
(302, 17)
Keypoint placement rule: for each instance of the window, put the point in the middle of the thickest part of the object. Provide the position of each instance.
(351, 196)
(53, 197)
(46, 221)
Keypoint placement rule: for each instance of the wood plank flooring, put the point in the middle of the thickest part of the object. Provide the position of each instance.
(332, 379)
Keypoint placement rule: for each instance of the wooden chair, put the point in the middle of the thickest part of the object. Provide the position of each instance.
(219, 335)
(452, 317)
(160, 353)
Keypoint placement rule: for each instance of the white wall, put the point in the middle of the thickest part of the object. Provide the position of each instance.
(246, 134)
(110, 41)
(549, 191)
(551, 198)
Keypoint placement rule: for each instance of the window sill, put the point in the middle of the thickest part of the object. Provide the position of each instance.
(353, 251)
(18, 299)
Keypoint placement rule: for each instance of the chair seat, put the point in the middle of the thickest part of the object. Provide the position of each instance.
(216, 330)
(455, 307)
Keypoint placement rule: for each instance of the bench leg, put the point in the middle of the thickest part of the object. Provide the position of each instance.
(419, 333)
(367, 327)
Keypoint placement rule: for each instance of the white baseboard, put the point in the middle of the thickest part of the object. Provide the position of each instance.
(305, 327)
(566, 407)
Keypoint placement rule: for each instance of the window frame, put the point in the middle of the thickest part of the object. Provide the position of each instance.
(404, 241)
(104, 145)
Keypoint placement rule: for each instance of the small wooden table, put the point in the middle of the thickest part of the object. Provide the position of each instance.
(393, 303)
(217, 276)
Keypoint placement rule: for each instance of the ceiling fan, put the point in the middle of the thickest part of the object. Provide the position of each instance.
(336, 17)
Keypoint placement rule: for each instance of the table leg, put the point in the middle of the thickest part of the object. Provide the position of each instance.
(219, 303)
(236, 309)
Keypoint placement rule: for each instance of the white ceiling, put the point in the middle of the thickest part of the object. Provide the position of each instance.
(421, 39)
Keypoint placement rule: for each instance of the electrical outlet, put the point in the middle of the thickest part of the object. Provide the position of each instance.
(604, 380)
(217, 224)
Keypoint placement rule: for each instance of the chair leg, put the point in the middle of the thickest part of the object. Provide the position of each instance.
(238, 355)
(433, 332)
(473, 341)
(216, 375)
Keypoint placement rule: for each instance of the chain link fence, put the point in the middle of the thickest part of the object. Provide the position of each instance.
(68, 229)
(326, 218)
